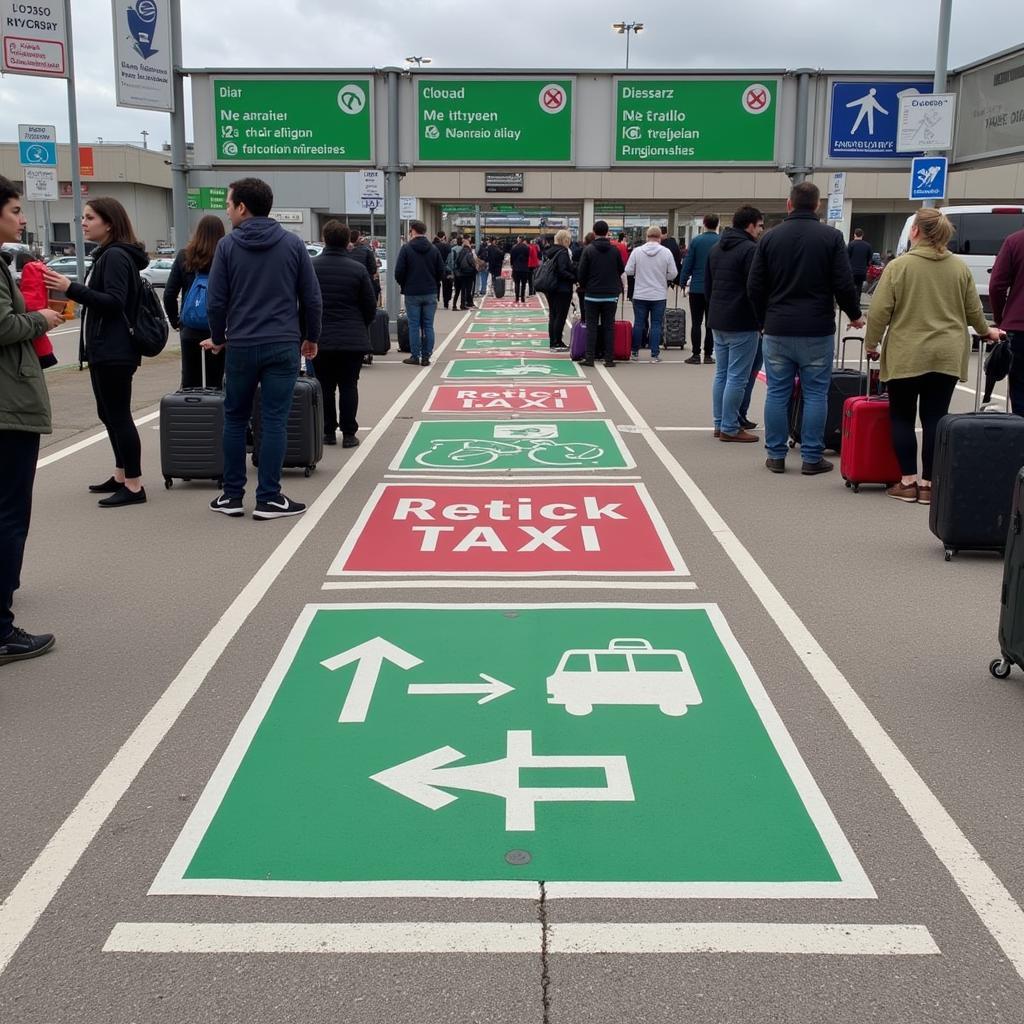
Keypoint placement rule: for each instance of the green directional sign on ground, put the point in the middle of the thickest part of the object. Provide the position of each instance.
(293, 120)
(516, 339)
(686, 120)
(477, 750)
(489, 446)
(506, 370)
(506, 315)
(494, 120)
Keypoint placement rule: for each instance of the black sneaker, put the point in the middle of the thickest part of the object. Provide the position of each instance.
(814, 468)
(20, 646)
(123, 496)
(695, 360)
(586, 362)
(609, 362)
(330, 437)
(424, 361)
(560, 346)
(747, 424)
(109, 486)
(349, 441)
(775, 465)
(278, 509)
(411, 361)
(228, 506)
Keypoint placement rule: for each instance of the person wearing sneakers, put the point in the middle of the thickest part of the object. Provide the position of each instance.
(560, 299)
(652, 268)
(799, 271)
(419, 272)
(600, 277)
(694, 265)
(264, 304)
(926, 300)
(733, 320)
(24, 416)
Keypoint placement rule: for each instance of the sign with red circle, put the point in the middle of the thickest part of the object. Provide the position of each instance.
(553, 99)
(757, 98)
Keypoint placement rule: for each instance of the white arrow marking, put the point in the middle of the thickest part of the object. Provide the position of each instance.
(420, 778)
(492, 689)
(369, 657)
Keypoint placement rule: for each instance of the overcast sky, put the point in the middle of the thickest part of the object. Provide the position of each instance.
(893, 35)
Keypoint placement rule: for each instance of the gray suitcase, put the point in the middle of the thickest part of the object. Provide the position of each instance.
(305, 445)
(192, 434)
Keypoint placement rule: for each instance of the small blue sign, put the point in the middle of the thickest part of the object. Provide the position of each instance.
(38, 154)
(865, 118)
(142, 25)
(928, 177)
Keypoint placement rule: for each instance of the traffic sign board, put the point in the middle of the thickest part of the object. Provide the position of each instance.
(528, 446)
(399, 750)
(497, 529)
(928, 177)
(37, 145)
(41, 184)
(536, 399)
(34, 39)
(864, 117)
(525, 368)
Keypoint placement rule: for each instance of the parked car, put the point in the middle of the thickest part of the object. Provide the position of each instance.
(165, 250)
(157, 272)
(17, 255)
(68, 266)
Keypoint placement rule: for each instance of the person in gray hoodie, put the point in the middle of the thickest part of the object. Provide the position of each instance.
(263, 302)
(653, 268)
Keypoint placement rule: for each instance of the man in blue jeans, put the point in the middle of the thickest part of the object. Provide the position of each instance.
(264, 303)
(419, 272)
(652, 267)
(800, 269)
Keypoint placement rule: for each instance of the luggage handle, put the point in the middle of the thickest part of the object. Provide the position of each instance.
(860, 363)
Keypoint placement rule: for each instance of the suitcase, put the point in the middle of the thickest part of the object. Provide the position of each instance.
(578, 341)
(305, 444)
(673, 330)
(622, 341)
(403, 332)
(1011, 609)
(192, 434)
(867, 455)
(499, 287)
(845, 384)
(380, 334)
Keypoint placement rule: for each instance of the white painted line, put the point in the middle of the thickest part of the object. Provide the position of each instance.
(258, 937)
(667, 429)
(978, 883)
(46, 460)
(708, 937)
(47, 873)
(489, 584)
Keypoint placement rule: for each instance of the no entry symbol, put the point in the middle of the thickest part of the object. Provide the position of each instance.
(552, 99)
(756, 99)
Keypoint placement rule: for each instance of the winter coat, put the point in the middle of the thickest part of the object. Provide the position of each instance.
(24, 400)
(465, 261)
(860, 254)
(653, 268)
(419, 268)
(495, 260)
(111, 297)
(565, 272)
(1006, 285)
(697, 260)
(443, 249)
(349, 301)
(725, 283)
(36, 296)
(520, 257)
(601, 268)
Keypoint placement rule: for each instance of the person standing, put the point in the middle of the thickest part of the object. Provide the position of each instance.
(799, 271)
(733, 320)
(444, 291)
(672, 245)
(693, 274)
(495, 261)
(464, 260)
(532, 263)
(264, 304)
(1006, 293)
(483, 268)
(860, 253)
(110, 299)
(419, 271)
(653, 268)
(191, 262)
(560, 299)
(600, 277)
(349, 307)
(923, 305)
(24, 416)
(520, 257)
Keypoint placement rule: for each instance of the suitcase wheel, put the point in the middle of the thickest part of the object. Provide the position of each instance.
(950, 552)
(1000, 668)
(308, 470)
(792, 444)
(168, 482)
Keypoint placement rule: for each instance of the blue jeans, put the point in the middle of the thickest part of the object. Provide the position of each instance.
(810, 359)
(274, 367)
(735, 351)
(755, 369)
(481, 282)
(642, 309)
(420, 310)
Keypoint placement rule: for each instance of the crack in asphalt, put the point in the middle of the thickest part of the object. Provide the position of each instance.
(545, 975)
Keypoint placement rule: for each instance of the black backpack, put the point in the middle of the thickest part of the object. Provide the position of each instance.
(150, 330)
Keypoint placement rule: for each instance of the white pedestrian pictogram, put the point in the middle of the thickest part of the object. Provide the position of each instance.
(926, 175)
(425, 778)
(868, 105)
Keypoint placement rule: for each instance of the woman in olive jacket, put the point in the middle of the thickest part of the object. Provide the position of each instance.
(110, 300)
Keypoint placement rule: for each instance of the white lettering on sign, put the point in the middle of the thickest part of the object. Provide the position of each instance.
(631, 92)
(503, 511)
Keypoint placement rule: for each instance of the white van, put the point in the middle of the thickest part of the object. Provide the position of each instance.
(980, 231)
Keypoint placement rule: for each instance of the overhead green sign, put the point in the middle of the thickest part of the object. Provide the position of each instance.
(293, 120)
(468, 750)
(683, 120)
(207, 198)
(494, 120)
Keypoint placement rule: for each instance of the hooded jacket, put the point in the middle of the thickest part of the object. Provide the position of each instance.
(495, 260)
(110, 296)
(725, 283)
(419, 269)
(926, 300)
(24, 401)
(262, 288)
(601, 268)
(653, 268)
(349, 301)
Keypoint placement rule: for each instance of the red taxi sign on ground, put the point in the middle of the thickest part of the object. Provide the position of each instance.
(556, 529)
(546, 400)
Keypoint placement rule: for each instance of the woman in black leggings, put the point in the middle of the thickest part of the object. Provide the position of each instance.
(109, 300)
(926, 299)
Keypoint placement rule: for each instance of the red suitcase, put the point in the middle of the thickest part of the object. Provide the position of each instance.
(622, 341)
(867, 455)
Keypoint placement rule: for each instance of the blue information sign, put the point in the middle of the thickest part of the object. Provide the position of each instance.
(928, 177)
(38, 154)
(865, 118)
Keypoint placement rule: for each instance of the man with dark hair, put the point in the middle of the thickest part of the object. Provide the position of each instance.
(444, 291)
(693, 270)
(263, 302)
(520, 257)
(600, 278)
(495, 261)
(800, 269)
(418, 271)
(464, 265)
(363, 254)
(672, 245)
(860, 253)
(24, 415)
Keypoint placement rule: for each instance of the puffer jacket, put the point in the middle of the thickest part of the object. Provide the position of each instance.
(24, 400)
(350, 303)
(725, 283)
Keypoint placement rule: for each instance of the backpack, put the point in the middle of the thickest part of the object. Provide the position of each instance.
(545, 278)
(149, 331)
(449, 263)
(193, 306)
(467, 261)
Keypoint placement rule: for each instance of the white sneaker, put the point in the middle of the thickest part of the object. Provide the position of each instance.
(655, 359)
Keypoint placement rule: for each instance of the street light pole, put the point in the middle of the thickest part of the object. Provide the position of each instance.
(941, 59)
(625, 28)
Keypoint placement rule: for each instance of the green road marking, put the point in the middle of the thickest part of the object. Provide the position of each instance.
(481, 343)
(506, 370)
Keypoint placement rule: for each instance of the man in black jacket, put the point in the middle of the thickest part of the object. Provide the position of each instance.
(495, 262)
(520, 259)
(733, 320)
(349, 305)
(419, 272)
(799, 271)
(465, 274)
(860, 253)
(600, 277)
(444, 289)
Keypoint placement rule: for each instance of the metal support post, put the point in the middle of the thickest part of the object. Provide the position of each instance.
(179, 153)
(392, 199)
(941, 58)
(76, 166)
(803, 95)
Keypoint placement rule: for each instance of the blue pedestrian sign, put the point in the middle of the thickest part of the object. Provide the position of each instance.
(928, 177)
(864, 120)
(37, 145)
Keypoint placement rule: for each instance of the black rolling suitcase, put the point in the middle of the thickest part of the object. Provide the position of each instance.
(305, 445)
(499, 287)
(845, 384)
(673, 332)
(403, 332)
(1011, 610)
(380, 334)
(192, 434)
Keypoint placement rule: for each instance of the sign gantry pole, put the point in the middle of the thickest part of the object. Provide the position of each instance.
(941, 58)
(76, 167)
(392, 199)
(179, 152)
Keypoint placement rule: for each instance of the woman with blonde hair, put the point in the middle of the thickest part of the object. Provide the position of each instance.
(923, 305)
(560, 299)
